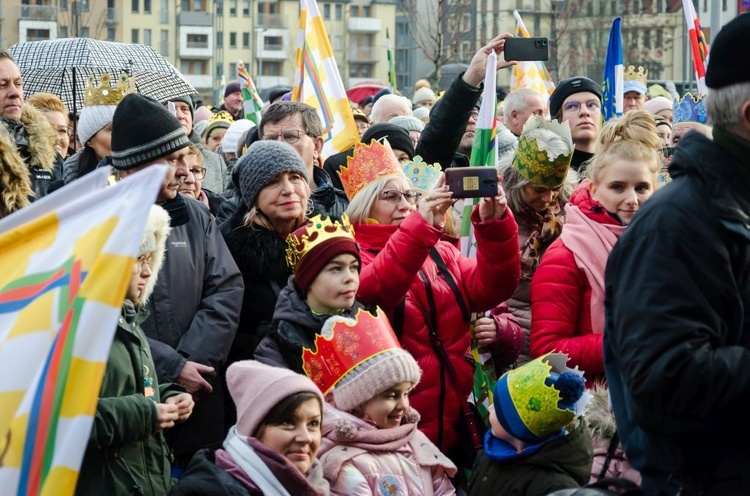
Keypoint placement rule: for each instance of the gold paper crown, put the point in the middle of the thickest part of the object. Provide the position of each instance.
(318, 231)
(537, 165)
(104, 94)
(641, 75)
(369, 163)
(423, 176)
(344, 345)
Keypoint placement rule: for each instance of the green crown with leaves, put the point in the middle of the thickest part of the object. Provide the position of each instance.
(537, 165)
(423, 176)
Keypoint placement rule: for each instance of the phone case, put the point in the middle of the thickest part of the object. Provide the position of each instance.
(526, 49)
(472, 182)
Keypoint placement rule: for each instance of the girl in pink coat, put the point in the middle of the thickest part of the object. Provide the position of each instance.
(371, 444)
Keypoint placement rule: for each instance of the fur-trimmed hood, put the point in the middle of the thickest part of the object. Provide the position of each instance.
(42, 139)
(154, 243)
(600, 420)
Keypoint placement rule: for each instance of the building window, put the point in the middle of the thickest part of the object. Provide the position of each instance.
(63, 5)
(164, 42)
(62, 32)
(646, 38)
(164, 12)
(196, 40)
(37, 34)
(659, 38)
(134, 8)
(219, 7)
(133, 36)
(232, 70)
(194, 67)
(111, 32)
(233, 8)
(339, 12)
(245, 40)
(275, 43)
(147, 6)
(83, 6)
(232, 40)
(85, 32)
(338, 43)
(219, 39)
(147, 37)
(326, 11)
(271, 69)
(245, 8)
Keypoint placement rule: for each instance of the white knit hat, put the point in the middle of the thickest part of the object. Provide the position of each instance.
(92, 119)
(234, 133)
(423, 94)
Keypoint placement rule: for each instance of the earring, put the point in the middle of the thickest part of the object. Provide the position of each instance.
(310, 207)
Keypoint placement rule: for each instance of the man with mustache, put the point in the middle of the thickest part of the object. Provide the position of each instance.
(194, 309)
(578, 100)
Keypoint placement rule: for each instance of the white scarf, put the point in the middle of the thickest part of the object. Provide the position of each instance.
(244, 456)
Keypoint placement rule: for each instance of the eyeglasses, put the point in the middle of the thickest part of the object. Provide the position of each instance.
(62, 131)
(289, 136)
(142, 261)
(593, 106)
(198, 173)
(394, 196)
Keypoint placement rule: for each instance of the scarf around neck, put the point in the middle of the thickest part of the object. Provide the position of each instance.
(245, 457)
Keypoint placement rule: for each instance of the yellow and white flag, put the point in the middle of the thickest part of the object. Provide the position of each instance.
(65, 266)
(317, 82)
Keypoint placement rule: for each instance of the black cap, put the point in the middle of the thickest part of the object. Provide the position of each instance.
(571, 86)
(397, 137)
(726, 64)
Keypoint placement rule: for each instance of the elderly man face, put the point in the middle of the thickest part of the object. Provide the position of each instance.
(11, 91)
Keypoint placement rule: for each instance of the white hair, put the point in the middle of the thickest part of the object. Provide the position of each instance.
(518, 99)
(383, 102)
(724, 105)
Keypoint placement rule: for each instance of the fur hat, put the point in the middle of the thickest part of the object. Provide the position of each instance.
(144, 131)
(725, 68)
(231, 139)
(571, 86)
(262, 162)
(154, 243)
(92, 119)
(423, 95)
(408, 123)
(257, 388)
(398, 138)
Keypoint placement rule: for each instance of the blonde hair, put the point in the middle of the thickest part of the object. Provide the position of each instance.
(632, 137)
(195, 151)
(47, 102)
(361, 205)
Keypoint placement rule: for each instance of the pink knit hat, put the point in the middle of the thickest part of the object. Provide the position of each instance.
(256, 388)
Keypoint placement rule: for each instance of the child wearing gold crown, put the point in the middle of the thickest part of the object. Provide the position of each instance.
(533, 447)
(371, 444)
(326, 262)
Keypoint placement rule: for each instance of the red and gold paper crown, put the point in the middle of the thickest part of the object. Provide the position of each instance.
(319, 230)
(346, 344)
(369, 163)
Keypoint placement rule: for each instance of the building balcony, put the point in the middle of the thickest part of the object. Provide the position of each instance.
(270, 81)
(362, 55)
(273, 51)
(269, 21)
(200, 81)
(196, 42)
(38, 13)
(364, 25)
(113, 17)
(188, 18)
(2, 12)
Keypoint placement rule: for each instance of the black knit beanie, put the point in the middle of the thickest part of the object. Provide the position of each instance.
(143, 131)
(397, 137)
(571, 86)
(726, 65)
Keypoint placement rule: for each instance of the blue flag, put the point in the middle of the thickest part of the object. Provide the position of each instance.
(613, 71)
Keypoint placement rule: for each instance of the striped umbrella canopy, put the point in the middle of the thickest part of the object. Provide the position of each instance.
(62, 67)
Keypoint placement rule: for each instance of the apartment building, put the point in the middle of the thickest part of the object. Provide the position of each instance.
(205, 39)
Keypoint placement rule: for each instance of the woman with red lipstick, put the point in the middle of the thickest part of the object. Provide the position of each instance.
(271, 450)
(567, 289)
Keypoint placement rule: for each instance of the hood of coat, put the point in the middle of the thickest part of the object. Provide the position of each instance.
(41, 137)
(599, 418)
(15, 182)
(154, 244)
(571, 454)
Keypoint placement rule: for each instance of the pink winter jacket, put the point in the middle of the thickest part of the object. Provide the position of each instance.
(361, 460)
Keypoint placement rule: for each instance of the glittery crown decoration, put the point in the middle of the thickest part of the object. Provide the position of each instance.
(369, 163)
(319, 230)
(689, 109)
(535, 163)
(105, 94)
(533, 407)
(222, 116)
(639, 76)
(423, 176)
(345, 343)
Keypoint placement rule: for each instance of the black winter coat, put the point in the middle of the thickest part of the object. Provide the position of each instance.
(677, 333)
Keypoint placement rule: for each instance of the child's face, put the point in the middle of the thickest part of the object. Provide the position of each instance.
(336, 286)
(387, 409)
(141, 273)
(497, 428)
(622, 187)
(297, 439)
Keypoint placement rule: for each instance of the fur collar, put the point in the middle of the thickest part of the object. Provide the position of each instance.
(42, 139)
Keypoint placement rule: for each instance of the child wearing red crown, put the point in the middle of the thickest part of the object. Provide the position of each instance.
(326, 262)
(371, 444)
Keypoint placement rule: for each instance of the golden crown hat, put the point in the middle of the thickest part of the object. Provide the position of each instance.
(538, 399)
(104, 93)
(635, 80)
(318, 231)
(367, 164)
(345, 343)
(536, 163)
(423, 176)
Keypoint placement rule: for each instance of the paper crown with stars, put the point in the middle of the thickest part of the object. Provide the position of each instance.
(689, 109)
(534, 162)
(320, 231)
(423, 176)
(368, 163)
(104, 93)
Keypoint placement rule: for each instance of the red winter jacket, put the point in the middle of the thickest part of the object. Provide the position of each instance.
(561, 301)
(392, 259)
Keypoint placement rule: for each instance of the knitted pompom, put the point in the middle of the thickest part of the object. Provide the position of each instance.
(345, 429)
(571, 387)
(411, 417)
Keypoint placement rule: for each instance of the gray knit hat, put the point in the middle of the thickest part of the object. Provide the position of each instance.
(143, 131)
(408, 123)
(262, 162)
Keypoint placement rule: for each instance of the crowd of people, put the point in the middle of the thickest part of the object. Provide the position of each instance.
(296, 325)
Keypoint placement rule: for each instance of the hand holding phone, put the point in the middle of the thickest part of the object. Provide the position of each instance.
(524, 49)
(472, 182)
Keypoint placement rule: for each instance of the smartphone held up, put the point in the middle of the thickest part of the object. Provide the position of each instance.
(526, 49)
(472, 182)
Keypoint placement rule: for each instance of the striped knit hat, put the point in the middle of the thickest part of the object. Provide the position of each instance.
(143, 131)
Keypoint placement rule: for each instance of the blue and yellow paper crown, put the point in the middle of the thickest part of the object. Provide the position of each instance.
(423, 176)
(689, 109)
(538, 399)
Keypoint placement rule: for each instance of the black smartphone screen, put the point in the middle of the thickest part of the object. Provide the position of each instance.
(524, 49)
